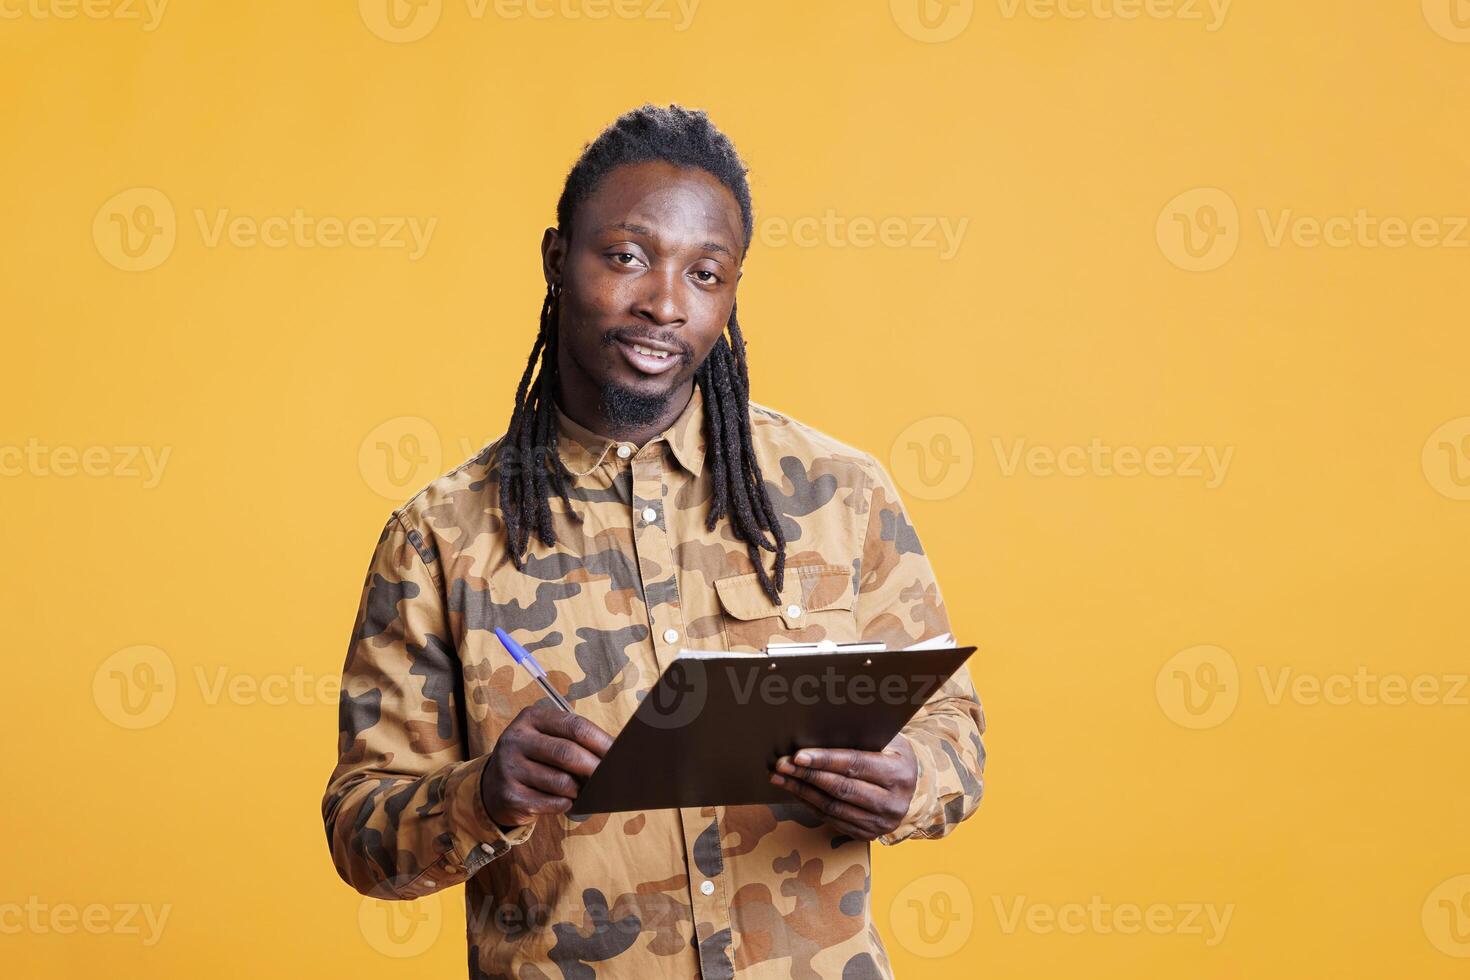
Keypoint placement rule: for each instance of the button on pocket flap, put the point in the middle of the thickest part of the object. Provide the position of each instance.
(808, 589)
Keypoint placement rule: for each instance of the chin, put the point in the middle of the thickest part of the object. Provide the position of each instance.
(645, 384)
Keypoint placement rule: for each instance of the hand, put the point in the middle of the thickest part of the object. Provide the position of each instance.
(862, 794)
(538, 764)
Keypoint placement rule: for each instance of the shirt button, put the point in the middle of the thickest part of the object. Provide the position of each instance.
(670, 635)
(707, 887)
(650, 515)
(793, 610)
(624, 452)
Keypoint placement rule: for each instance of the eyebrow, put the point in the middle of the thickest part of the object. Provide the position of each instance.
(642, 230)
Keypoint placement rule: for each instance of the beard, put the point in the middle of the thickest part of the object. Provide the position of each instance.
(625, 408)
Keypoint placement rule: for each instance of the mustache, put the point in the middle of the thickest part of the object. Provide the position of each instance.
(630, 335)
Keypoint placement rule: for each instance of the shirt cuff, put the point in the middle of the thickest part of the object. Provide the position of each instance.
(477, 839)
(919, 804)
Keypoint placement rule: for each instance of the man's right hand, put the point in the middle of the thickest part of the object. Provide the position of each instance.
(538, 764)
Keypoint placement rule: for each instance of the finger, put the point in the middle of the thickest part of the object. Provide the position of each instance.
(855, 793)
(572, 726)
(859, 792)
(873, 767)
(523, 799)
(552, 782)
(560, 753)
(841, 826)
(823, 803)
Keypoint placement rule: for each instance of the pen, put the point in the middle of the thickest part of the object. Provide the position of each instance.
(523, 657)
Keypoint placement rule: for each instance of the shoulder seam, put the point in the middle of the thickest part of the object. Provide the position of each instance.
(449, 473)
(417, 541)
(809, 428)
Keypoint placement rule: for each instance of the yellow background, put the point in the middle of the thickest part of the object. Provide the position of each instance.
(1335, 376)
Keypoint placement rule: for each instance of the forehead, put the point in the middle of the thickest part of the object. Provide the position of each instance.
(677, 204)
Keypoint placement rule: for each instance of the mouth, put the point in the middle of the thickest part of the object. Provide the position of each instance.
(649, 357)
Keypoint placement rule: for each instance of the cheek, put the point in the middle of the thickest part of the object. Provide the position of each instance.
(711, 321)
(601, 287)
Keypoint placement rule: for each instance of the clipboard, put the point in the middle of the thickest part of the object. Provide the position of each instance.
(709, 731)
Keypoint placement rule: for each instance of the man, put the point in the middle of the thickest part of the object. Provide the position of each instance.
(628, 512)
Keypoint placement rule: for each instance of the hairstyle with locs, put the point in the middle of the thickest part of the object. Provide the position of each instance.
(685, 138)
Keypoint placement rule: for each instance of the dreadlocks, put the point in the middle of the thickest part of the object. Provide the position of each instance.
(685, 138)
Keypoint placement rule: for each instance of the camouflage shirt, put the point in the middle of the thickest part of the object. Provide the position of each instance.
(747, 891)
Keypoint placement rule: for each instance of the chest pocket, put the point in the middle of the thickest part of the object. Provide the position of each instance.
(816, 604)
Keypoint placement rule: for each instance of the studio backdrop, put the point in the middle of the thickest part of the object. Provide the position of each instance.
(1153, 309)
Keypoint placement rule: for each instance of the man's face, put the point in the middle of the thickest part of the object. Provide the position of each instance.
(648, 278)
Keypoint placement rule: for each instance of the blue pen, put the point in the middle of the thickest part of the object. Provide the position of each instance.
(523, 657)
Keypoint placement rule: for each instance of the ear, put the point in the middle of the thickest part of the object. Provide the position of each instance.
(553, 255)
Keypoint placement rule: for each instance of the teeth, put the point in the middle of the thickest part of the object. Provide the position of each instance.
(645, 350)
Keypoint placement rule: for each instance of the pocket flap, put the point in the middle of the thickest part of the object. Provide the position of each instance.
(808, 588)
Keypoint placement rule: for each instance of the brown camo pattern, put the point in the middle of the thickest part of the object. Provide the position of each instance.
(427, 689)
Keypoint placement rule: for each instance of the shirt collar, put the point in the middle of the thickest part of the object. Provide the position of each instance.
(581, 448)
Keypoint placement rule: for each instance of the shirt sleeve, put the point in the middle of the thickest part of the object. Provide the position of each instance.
(403, 811)
(899, 602)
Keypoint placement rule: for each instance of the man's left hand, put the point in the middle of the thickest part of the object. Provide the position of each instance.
(861, 794)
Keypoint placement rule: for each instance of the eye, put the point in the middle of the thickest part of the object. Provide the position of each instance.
(705, 272)
(623, 258)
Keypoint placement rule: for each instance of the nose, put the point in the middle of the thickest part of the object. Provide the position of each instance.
(659, 299)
